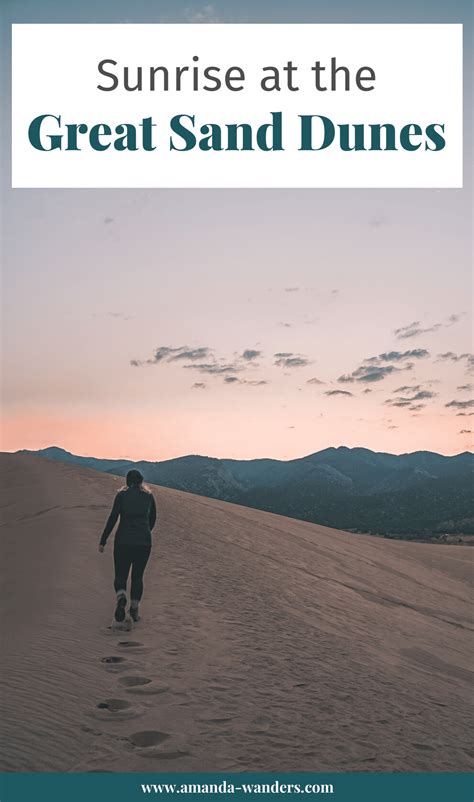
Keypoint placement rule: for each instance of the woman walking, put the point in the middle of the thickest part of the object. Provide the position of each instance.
(137, 510)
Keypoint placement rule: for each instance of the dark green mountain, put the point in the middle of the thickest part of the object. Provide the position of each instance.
(416, 495)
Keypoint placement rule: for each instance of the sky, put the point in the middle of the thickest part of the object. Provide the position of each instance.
(148, 324)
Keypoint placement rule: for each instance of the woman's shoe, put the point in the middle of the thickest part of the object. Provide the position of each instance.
(120, 609)
(134, 614)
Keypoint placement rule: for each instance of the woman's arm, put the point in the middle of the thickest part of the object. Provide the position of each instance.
(152, 514)
(112, 520)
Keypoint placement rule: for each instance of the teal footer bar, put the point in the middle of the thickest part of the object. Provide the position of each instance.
(130, 787)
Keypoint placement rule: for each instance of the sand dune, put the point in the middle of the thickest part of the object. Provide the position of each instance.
(266, 643)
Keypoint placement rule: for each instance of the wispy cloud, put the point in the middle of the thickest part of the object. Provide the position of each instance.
(460, 404)
(190, 354)
(377, 221)
(314, 380)
(250, 383)
(422, 395)
(415, 329)
(249, 354)
(198, 386)
(408, 388)
(450, 356)
(410, 402)
(377, 368)
(368, 373)
(398, 356)
(203, 14)
(201, 359)
(338, 392)
(165, 353)
(214, 368)
(287, 359)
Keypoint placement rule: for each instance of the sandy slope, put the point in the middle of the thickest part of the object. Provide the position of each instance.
(269, 643)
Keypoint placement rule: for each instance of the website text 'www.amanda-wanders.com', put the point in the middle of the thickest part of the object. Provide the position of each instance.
(226, 787)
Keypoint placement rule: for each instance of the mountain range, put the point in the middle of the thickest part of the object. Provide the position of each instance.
(417, 496)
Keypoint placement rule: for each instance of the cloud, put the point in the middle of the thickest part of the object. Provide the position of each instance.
(423, 395)
(165, 353)
(285, 359)
(408, 388)
(398, 402)
(191, 353)
(460, 404)
(414, 330)
(452, 319)
(252, 383)
(378, 221)
(398, 356)
(465, 431)
(366, 373)
(214, 368)
(204, 14)
(285, 325)
(314, 380)
(120, 315)
(464, 414)
(392, 427)
(292, 289)
(450, 356)
(465, 388)
(201, 359)
(198, 386)
(249, 354)
(338, 392)
(375, 368)
(108, 220)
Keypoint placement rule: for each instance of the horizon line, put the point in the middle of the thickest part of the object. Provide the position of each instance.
(247, 459)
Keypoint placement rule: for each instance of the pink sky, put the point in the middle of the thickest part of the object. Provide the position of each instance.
(96, 279)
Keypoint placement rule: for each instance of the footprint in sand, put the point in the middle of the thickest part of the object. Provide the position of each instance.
(133, 646)
(112, 659)
(149, 689)
(110, 709)
(142, 685)
(148, 738)
(149, 743)
(115, 664)
(131, 682)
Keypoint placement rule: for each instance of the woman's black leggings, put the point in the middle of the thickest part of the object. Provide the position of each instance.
(136, 557)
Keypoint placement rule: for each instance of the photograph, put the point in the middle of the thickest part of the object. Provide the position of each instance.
(237, 513)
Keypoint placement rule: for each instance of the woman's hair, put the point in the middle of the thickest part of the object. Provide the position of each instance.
(134, 479)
